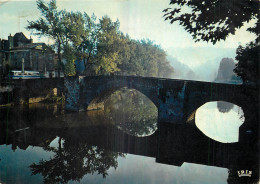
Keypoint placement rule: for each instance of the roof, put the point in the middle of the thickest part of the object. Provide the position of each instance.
(27, 46)
(20, 37)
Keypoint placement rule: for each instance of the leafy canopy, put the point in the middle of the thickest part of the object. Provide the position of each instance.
(213, 20)
(102, 47)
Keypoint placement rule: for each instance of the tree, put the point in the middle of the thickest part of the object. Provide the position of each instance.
(70, 57)
(67, 29)
(49, 25)
(153, 60)
(101, 46)
(214, 20)
(143, 58)
(106, 60)
(74, 28)
(248, 63)
(87, 49)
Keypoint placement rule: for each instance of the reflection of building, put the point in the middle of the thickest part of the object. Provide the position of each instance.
(37, 56)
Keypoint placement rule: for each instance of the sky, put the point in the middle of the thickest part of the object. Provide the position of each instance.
(141, 19)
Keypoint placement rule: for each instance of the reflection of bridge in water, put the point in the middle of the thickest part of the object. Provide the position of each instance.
(171, 144)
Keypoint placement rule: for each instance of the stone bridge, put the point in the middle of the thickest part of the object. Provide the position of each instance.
(34, 90)
(175, 99)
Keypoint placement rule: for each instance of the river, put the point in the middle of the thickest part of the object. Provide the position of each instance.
(124, 143)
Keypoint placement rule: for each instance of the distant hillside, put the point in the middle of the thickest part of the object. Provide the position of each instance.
(181, 71)
(203, 61)
(225, 72)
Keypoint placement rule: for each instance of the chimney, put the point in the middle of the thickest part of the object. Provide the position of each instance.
(31, 40)
(23, 65)
(10, 42)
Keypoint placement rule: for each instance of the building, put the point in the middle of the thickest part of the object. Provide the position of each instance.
(4, 53)
(37, 56)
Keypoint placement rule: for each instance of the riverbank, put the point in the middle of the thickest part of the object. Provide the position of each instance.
(50, 99)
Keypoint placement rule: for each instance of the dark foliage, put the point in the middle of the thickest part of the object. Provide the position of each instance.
(248, 63)
(213, 20)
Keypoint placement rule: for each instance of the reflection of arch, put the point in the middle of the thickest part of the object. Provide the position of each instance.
(170, 144)
(185, 143)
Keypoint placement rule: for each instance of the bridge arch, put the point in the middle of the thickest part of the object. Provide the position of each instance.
(210, 92)
(127, 109)
(98, 100)
(97, 89)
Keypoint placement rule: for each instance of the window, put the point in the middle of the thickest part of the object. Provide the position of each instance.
(50, 57)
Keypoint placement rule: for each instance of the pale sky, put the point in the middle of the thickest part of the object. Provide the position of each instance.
(139, 18)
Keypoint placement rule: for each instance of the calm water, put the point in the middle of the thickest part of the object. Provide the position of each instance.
(43, 143)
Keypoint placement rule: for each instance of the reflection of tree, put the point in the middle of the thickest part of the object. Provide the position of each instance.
(132, 112)
(224, 106)
(139, 128)
(74, 159)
